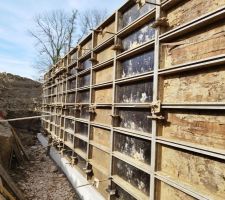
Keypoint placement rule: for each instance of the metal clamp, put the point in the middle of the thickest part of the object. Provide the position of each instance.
(91, 109)
(163, 21)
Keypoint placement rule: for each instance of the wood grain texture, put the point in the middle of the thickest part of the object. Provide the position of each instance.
(101, 136)
(205, 85)
(198, 127)
(104, 75)
(105, 54)
(204, 43)
(103, 95)
(103, 116)
(203, 174)
(102, 37)
(167, 192)
(180, 13)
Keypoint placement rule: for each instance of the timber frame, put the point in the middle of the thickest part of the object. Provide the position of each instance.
(88, 92)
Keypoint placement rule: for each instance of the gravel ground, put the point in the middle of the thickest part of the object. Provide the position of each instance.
(40, 179)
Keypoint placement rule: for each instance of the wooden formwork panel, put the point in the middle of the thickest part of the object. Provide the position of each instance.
(180, 13)
(204, 85)
(134, 147)
(140, 92)
(140, 36)
(83, 112)
(103, 95)
(83, 96)
(98, 175)
(134, 119)
(101, 136)
(197, 126)
(103, 75)
(201, 44)
(134, 12)
(136, 65)
(121, 194)
(70, 98)
(102, 116)
(201, 173)
(100, 158)
(132, 176)
(167, 192)
(103, 36)
(85, 64)
(86, 47)
(105, 54)
(81, 145)
(81, 128)
(84, 80)
(71, 84)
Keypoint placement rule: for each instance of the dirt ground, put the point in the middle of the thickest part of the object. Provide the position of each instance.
(40, 179)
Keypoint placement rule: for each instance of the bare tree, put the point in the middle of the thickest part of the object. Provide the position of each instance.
(54, 34)
(89, 19)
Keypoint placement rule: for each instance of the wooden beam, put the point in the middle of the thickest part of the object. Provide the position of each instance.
(10, 183)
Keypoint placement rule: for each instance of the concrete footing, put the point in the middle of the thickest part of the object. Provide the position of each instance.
(73, 175)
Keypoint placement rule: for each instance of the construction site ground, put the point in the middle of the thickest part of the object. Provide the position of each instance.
(40, 179)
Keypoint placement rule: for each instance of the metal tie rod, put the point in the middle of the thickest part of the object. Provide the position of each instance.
(25, 118)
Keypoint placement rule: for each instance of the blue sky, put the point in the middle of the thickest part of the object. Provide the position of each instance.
(17, 52)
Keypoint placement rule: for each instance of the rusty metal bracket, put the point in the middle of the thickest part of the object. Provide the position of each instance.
(156, 107)
(156, 111)
(78, 107)
(117, 47)
(163, 22)
(111, 191)
(91, 109)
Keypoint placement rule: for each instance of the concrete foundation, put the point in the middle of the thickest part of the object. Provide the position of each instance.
(73, 175)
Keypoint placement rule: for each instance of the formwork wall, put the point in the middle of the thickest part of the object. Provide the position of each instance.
(139, 104)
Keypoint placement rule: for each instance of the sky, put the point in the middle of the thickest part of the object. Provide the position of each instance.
(17, 47)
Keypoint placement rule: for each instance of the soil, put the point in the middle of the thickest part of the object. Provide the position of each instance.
(40, 179)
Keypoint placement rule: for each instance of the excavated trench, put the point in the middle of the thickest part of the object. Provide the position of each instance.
(39, 178)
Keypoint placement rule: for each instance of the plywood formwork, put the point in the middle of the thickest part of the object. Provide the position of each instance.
(140, 102)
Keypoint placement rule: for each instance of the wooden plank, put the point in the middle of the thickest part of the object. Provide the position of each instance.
(103, 96)
(195, 86)
(103, 36)
(167, 192)
(102, 116)
(198, 127)
(104, 75)
(10, 183)
(100, 157)
(105, 54)
(100, 136)
(180, 13)
(204, 43)
(203, 174)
